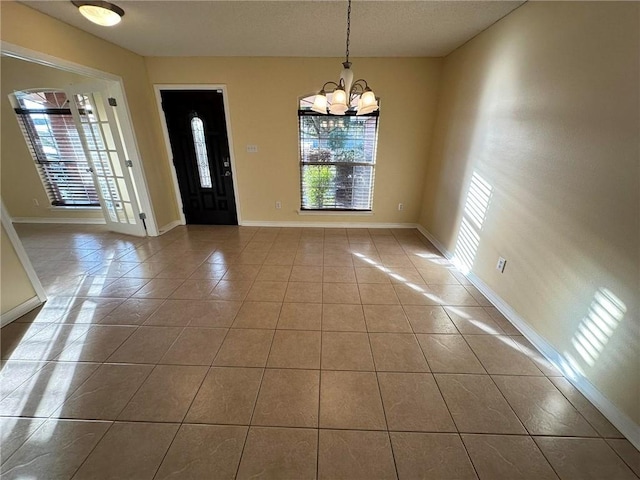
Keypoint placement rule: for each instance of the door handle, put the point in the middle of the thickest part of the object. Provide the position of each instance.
(227, 174)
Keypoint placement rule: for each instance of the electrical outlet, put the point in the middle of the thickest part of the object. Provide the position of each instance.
(252, 149)
(501, 264)
(400, 207)
(278, 205)
(36, 203)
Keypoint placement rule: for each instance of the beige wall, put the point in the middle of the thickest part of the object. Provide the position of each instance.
(15, 286)
(20, 180)
(263, 95)
(53, 37)
(544, 107)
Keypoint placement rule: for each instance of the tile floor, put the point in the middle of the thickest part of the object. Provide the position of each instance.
(226, 352)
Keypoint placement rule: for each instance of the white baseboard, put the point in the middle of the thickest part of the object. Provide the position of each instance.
(617, 417)
(261, 223)
(19, 311)
(169, 226)
(81, 221)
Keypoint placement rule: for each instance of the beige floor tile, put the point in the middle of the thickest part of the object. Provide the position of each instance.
(340, 293)
(342, 317)
(339, 275)
(506, 326)
(133, 311)
(295, 349)
(627, 452)
(281, 453)
(473, 320)
(213, 313)
(391, 260)
(371, 275)
(244, 348)
(500, 355)
(280, 258)
(536, 357)
(477, 406)
(386, 318)
(195, 346)
(431, 455)
(267, 292)
(97, 344)
(408, 275)
(346, 351)
(274, 273)
(586, 408)
(105, 394)
(479, 297)
(177, 271)
(251, 258)
(146, 345)
(453, 295)
(507, 456)
(449, 354)
(14, 431)
(159, 288)
(378, 294)
(242, 272)
(437, 275)
(129, 450)
(47, 343)
(397, 352)
(233, 290)
(337, 259)
(300, 316)
(212, 271)
(204, 451)
(583, 459)
(542, 408)
(175, 313)
(351, 400)
(429, 319)
(288, 398)
(227, 396)
(412, 402)
(118, 288)
(54, 451)
(166, 394)
(195, 289)
(303, 292)
(14, 373)
(355, 455)
(413, 294)
(46, 389)
(258, 315)
(300, 273)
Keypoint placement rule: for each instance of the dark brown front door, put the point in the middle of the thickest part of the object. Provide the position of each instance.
(198, 136)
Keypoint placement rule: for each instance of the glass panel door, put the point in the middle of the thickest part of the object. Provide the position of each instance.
(105, 152)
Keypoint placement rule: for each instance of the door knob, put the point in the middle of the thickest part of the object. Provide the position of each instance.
(227, 174)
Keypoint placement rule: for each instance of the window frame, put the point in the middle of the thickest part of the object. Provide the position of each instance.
(304, 111)
(51, 185)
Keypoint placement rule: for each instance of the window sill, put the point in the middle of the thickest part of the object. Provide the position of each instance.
(75, 209)
(346, 213)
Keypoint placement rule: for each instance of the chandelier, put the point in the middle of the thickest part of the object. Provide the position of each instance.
(346, 91)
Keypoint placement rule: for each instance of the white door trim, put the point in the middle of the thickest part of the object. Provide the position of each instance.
(158, 87)
(124, 116)
(5, 219)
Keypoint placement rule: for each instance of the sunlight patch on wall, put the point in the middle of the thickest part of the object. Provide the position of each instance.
(475, 211)
(605, 313)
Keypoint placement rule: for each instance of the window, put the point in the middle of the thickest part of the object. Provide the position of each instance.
(56, 147)
(337, 159)
(197, 129)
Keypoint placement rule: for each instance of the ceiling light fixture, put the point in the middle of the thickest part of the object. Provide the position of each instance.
(102, 13)
(341, 101)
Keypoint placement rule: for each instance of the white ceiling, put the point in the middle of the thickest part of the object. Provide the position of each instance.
(305, 28)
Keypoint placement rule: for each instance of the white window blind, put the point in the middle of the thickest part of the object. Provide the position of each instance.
(337, 160)
(55, 145)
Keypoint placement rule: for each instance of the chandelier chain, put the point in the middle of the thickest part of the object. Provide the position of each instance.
(348, 29)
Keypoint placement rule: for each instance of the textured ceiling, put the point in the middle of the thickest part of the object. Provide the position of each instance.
(290, 28)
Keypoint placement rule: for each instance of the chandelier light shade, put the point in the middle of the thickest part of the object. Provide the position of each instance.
(101, 13)
(346, 91)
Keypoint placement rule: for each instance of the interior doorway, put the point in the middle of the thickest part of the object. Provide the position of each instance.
(196, 128)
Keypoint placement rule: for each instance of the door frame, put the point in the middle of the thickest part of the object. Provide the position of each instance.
(124, 117)
(158, 87)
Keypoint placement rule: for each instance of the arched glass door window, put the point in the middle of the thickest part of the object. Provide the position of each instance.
(197, 128)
